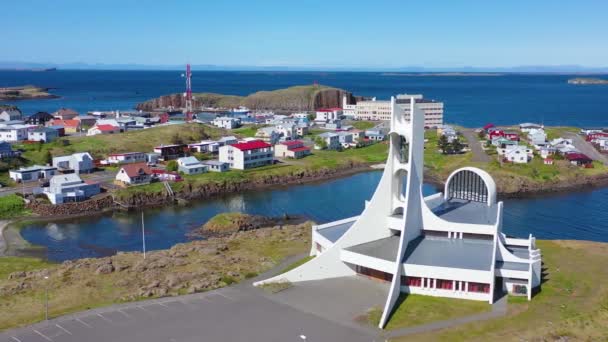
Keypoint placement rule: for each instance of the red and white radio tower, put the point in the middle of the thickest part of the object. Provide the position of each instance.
(188, 93)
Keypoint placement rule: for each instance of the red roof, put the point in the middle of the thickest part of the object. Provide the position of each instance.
(132, 170)
(292, 142)
(298, 149)
(65, 123)
(577, 156)
(251, 145)
(490, 125)
(106, 128)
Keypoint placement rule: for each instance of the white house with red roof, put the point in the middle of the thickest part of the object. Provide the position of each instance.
(131, 174)
(291, 149)
(246, 155)
(328, 114)
(103, 129)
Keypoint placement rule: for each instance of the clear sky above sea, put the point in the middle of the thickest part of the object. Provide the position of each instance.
(378, 33)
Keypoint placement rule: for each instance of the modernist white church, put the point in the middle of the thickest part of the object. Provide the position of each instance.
(448, 244)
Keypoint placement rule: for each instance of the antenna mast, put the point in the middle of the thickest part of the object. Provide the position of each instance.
(188, 93)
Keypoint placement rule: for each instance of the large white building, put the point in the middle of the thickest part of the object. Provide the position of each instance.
(246, 155)
(448, 244)
(378, 110)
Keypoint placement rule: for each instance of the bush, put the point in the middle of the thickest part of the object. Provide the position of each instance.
(11, 206)
(172, 166)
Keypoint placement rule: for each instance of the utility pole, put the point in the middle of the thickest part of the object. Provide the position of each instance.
(46, 298)
(143, 234)
(188, 94)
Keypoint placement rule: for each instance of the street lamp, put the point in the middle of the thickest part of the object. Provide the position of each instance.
(46, 298)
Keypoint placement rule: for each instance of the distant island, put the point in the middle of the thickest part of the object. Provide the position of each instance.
(27, 92)
(587, 80)
(445, 74)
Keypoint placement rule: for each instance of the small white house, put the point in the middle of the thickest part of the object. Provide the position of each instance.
(78, 162)
(132, 174)
(205, 146)
(537, 137)
(10, 113)
(228, 140)
(526, 127)
(190, 166)
(215, 165)
(518, 154)
(127, 158)
(328, 114)
(13, 132)
(32, 173)
(226, 122)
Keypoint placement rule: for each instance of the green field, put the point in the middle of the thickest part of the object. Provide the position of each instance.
(12, 206)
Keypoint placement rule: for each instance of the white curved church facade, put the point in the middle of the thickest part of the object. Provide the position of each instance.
(448, 244)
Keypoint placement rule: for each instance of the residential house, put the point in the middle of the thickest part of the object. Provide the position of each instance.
(190, 166)
(247, 155)
(448, 131)
(10, 113)
(548, 161)
(537, 137)
(592, 137)
(332, 141)
(163, 175)
(511, 136)
(60, 130)
(127, 158)
(134, 174)
(78, 162)
(301, 129)
(560, 141)
(65, 114)
(205, 146)
(291, 149)
(226, 122)
(43, 134)
(502, 142)
(579, 159)
(547, 151)
(590, 130)
(168, 152)
(301, 116)
(13, 132)
(518, 154)
(215, 165)
(32, 173)
(103, 129)
(526, 127)
(6, 150)
(70, 126)
(328, 114)
(40, 118)
(346, 139)
(70, 188)
(86, 120)
(495, 133)
(375, 134)
(334, 125)
(152, 158)
(227, 140)
(268, 134)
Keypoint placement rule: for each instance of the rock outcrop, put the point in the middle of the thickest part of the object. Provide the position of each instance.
(298, 98)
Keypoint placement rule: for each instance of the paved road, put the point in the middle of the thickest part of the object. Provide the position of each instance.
(587, 148)
(100, 176)
(479, 155)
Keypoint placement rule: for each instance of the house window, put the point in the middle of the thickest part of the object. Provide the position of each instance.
(411, 281)
(445, 284)
(479, 287)
(520, 289)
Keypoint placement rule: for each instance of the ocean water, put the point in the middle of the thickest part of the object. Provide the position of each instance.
(469, 100)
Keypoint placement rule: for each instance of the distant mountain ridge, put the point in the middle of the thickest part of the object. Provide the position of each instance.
(570, 69)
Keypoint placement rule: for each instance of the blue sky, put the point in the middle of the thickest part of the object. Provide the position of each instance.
(308, 33)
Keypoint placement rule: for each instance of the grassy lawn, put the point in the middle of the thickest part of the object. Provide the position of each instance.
(573, 303)
(363, 125)
(247, 131)
(9, 265)
(440, 164)
(559, 131)
(412, 310)
(135, 141)
(12, 206)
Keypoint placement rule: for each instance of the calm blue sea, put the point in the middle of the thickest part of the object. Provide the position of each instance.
(469, 100)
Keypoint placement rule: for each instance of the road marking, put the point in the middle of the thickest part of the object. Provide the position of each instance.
(141, 307)
(83, 322)
(225, 296)
(124, 313)
(160, 303)
(16, 339)
(43, 335)
(104, 318)
(64, 329)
